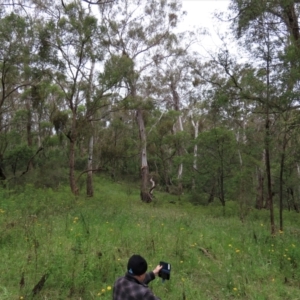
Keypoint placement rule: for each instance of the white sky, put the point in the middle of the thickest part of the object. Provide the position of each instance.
(200, 15)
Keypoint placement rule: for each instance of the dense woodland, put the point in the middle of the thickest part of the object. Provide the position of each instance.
(114, 87)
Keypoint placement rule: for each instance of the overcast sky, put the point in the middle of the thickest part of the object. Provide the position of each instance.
(200, 14)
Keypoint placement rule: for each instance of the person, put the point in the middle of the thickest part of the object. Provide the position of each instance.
(133, 286)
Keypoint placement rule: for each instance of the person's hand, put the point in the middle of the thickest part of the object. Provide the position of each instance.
(157, 269)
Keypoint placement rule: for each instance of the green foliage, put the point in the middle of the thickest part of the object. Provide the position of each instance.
(83, 246)
(116, 69)
(18, 158)
(217, 158)
(249, 11)
(119, 152)
(59, 120)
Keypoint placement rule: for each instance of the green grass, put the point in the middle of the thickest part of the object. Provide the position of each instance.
(83, 245)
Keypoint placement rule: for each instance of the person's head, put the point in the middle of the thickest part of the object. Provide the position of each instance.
(137, 266)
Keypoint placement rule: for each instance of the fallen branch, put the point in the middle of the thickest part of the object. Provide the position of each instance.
(38, 287)
(152, 187)
(210, 256)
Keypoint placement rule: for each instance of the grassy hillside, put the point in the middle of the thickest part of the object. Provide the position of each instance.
(54, 246)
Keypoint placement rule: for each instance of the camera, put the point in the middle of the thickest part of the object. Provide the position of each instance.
(165, 271)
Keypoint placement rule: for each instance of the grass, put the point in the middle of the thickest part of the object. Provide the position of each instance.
(55, 246)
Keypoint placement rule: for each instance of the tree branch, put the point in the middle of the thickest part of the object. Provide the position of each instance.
(98, 1)
(30, 160)
(86, 171)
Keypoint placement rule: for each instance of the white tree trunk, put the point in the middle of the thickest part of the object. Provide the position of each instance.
(89, 179)
(237, 136)
(180, 169)
(145, 196)
(196, 133)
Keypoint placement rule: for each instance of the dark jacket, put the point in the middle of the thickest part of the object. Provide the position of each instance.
(128, 288)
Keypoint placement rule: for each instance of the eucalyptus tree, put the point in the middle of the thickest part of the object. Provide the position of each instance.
(140, 30)
(221, 102)
(197, 113)
(171, 81)
(283, 14)
(101, 101)
(18, 42)
(73, 31)
(274, 24)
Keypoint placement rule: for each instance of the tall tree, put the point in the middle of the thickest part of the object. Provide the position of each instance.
(74, 33)
(274, 24)
(15, 54)
(140, 30)
(282, 13)
(172, 82)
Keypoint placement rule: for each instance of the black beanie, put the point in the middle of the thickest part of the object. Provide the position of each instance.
(137, 265)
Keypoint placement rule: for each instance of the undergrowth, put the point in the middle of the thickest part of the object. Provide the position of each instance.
(55, 246)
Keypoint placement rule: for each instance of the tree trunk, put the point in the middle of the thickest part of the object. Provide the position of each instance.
(145, 195)
(211, 194)
(269, 203)
(221, 186)
(28, 129)
(196, 133)
(290, 192)
(281, 190)
(72, 138)
(298, 187)
(89, 179)
(2, 175)
(260, 189)
(282, 160)
(179, 127)
(180, 167)
(291, 21)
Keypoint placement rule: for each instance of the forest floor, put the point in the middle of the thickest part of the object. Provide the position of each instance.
(55, 246)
